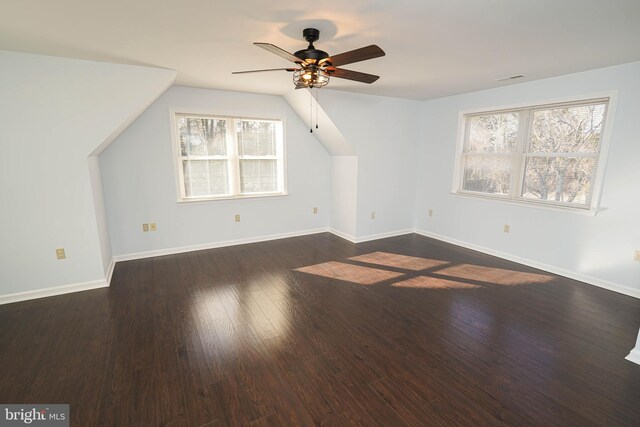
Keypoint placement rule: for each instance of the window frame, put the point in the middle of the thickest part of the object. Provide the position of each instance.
(232, 157)
(521, 153)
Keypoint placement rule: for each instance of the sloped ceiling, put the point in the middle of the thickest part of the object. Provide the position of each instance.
(305, 105)
(434, 48)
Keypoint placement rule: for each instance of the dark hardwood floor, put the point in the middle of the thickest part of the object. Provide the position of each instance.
(294, 332)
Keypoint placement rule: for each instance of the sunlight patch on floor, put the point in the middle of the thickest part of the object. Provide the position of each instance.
(492, 275)
(350, 273)
(424, 282)
(399, 261)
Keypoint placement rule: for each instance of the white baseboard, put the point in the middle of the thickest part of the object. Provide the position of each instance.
(49, 292)
(345, 236)
(535, 264)
(112, 266)
(370, 237)
(213, 245)
(634, 356)
(383, 235)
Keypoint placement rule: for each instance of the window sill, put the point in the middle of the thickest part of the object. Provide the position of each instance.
(534, 205)
(230, 198)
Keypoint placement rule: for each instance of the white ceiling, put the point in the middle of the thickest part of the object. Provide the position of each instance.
(434, 48)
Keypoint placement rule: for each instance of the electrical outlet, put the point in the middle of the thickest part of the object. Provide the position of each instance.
(237, 218)
(373, 215)
(315, 210)
(430, 212)
(507, 228)
(636, 257)
(145, 227)
(60, 253)
(153, 226)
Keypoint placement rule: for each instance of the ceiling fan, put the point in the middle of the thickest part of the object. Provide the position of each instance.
(315, 67)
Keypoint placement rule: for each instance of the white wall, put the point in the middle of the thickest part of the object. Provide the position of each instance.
(303, 102)
(55, 112)
(384, 133)
(344, 195)
(100, 212)
(140, 186)
(596, 249)
(344, 161)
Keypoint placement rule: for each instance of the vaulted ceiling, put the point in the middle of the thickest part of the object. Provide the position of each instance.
(434, 48)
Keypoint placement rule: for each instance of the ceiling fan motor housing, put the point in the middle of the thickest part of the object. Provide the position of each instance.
(311, 53)
(311, 34)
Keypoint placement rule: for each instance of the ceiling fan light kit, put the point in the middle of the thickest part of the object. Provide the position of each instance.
(310, 78)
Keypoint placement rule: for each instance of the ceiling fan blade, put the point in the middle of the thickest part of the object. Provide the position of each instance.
(353, 75)
(357, 55)
(260, 71)
(280, 52)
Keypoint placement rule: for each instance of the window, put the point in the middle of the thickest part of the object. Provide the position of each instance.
(228, 157)
(542, 154)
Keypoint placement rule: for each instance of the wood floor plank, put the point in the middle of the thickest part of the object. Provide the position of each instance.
(376, 407)
(170, 405)
(408, 409)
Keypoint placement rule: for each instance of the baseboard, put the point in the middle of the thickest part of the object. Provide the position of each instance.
(49, 292)
(345, 236)
(634, 356)
(370, 237)
(213, 245)
(535, 264)
(112, 266)
(383, 235)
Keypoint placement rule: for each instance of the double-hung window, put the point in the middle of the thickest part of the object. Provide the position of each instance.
(541, 154)
(228, 157)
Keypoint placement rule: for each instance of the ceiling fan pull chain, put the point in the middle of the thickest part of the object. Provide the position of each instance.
(317, 105)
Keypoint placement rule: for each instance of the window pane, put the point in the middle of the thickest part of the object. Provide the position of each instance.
(487, 174)
(493, 133)
(567, 130)
(560, 179)
(258, 176)
(205, 177)
(202, 136)
(256, 138)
